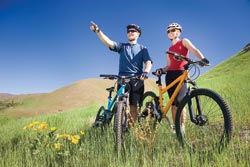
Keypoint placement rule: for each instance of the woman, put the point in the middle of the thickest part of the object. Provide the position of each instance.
(175, 67)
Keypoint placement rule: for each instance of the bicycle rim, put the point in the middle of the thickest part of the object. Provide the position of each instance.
(214, 129)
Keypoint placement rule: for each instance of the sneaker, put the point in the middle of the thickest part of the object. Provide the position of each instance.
(182, 129)
(173, 129)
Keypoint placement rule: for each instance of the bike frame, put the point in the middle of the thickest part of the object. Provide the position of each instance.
(111, 101)
(162, 90)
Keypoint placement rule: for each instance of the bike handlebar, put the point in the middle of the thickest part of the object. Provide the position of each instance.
(112, 77)
(181, 57)
(190, 61)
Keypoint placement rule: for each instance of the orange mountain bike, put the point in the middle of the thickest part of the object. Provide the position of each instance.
(208, 122)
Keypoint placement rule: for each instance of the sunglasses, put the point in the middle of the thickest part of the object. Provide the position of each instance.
(131, 31)
(173, 30)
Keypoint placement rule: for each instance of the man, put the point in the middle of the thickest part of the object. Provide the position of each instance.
(134, 61)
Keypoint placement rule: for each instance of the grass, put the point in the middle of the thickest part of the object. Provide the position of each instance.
(30, 148)
(97, 149)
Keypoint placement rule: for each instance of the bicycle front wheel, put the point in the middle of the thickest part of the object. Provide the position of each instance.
(99, 120)
(211, 127)
(149, 114)
(119, 124)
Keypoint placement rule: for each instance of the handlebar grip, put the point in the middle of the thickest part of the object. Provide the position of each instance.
(108, 76)
(104, 75)
(172, 53)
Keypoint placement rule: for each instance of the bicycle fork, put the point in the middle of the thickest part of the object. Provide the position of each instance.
(199, 119)
(126, 113)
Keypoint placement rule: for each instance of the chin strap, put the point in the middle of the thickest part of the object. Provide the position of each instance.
(131, 40)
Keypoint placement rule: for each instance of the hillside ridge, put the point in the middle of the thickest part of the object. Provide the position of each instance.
(76, 95)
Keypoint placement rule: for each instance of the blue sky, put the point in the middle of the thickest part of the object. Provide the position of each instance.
(47, 44)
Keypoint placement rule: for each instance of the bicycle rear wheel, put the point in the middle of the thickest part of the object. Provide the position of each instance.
(212, 128)
(119, 124)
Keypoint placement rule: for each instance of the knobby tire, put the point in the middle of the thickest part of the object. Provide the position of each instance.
(216, 129)
(118, 124)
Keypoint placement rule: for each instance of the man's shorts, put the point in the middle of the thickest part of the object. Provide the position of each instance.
(136, 90)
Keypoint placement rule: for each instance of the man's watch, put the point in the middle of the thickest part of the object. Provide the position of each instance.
(97, 30)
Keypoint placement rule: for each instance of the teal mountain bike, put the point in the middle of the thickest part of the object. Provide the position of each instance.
(117, 107)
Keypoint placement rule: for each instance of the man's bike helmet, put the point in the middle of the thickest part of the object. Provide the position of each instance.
(136, 27)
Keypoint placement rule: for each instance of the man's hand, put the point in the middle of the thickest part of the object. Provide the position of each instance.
(94, 27)
(159, 71)
(144, 76)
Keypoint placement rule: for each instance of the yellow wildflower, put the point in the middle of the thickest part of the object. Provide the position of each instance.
(57, 146)
(69, 137)
(53, 128)
(36, 122)
(75, 140)
(33, 124)
(76, 137)
(63, 136)
(25, 127)
(43, 126)
(82, 132)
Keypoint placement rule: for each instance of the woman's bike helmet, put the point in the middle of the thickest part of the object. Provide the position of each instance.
(174, 26)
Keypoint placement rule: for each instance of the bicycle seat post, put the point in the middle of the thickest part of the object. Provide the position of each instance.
(159, 80)
(111, 89)
(110, 94)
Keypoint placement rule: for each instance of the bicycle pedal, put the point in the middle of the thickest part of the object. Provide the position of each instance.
(100, 118)
(144, 113)
(97, 124)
